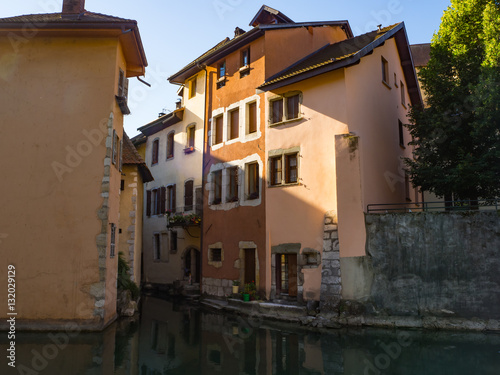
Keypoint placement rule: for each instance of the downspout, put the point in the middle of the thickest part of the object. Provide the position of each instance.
(205, 129)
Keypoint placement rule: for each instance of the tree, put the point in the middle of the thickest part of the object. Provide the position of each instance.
(457, 135)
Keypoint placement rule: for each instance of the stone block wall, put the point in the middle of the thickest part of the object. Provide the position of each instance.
(331, 287)
(435, 264)
(217, 287)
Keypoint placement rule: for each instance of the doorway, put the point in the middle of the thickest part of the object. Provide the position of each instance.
(249, 275)
(192, 264)
(286, 275)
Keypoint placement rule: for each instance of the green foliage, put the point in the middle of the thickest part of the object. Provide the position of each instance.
(123, 279)
(457, 136)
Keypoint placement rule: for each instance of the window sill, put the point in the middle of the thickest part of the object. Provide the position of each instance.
(188, 150)
(387, 85)
(284, 184)
(402, 146)
(286, 122)
(170, 158)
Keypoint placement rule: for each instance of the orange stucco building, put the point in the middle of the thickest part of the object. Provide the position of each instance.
(65, 85)
(304, 129)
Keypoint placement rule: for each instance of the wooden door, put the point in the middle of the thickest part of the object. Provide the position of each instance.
(249, 265)
(292, 275)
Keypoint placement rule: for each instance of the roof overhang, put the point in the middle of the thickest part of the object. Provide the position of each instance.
(127, 33)
(401, 39)
(162, 122)
(238, 42)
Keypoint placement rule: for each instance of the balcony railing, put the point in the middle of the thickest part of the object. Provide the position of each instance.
(448, 206)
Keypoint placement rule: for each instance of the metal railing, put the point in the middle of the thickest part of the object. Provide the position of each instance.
(447, 206)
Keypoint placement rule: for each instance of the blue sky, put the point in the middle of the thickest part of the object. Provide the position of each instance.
(176, 32)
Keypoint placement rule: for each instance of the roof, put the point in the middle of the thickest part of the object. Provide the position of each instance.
(227, 46)
(86, 24)
(267, 14)
(130, 156)
(346, 53)
(421, 54)
(59, 18)
(162, 122)
(139, 139)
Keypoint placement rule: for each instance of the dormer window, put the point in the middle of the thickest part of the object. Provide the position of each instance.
(245, 63)
(221, 74)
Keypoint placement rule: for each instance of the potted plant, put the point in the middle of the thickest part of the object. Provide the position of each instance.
(249, 291)
(236, 286)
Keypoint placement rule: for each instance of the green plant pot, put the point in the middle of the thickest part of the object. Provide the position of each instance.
(246, 297)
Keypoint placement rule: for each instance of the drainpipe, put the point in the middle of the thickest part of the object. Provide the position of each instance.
(205, 128)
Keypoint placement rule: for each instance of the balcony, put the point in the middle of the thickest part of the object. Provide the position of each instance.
(187, 216)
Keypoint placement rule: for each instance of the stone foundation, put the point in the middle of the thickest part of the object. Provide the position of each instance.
(217, 287)
(331, 288)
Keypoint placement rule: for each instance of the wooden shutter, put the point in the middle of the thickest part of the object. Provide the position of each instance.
(235, 124)
(252, 117)
(125, 88)
(163, 191)
(121, 155)
(174, 205)
(292, 275)
(148, 203)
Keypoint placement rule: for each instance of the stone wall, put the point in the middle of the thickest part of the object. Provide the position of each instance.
(217, 287)
(434, 264)
(331, 287)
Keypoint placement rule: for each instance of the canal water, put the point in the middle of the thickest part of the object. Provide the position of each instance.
(178, 338)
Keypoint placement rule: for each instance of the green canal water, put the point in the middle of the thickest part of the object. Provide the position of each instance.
(177, 338)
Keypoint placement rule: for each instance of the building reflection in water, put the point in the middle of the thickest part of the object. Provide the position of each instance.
(177, 338)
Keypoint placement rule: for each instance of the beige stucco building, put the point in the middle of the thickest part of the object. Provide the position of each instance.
(65, 85)
(172, 204)
(304, 129)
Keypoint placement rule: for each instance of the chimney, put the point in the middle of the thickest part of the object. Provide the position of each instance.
(73, 6)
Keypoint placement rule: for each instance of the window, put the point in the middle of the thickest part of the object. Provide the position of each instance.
(221, 75)
(148, 203)
(154, 156)
(234, 124)
(253, 181)
(275, 167)
(291, 168)
(170, 145)
(401, 134)
(407, 187)
(157, 201)
(122, 185)
(245, 58)
(190, 132)
(283, 167)
(120, 164)
(170, 196)
(192, 88)
(188, 196)
(156, 246)
(217, 183)
(252, 117)
(113, 241)
(395, 80)
(114, 151)
(285, 108)
(232, 185)
(121, 97)
(173, 242)
(218, 130)
(245, 63)
(199, 199)
(216, 255)
(403, 97)
(385, 71)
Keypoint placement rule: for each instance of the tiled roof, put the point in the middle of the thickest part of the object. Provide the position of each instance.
(329, 54)
(131, 156)
(129, 153)
(57, 17)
